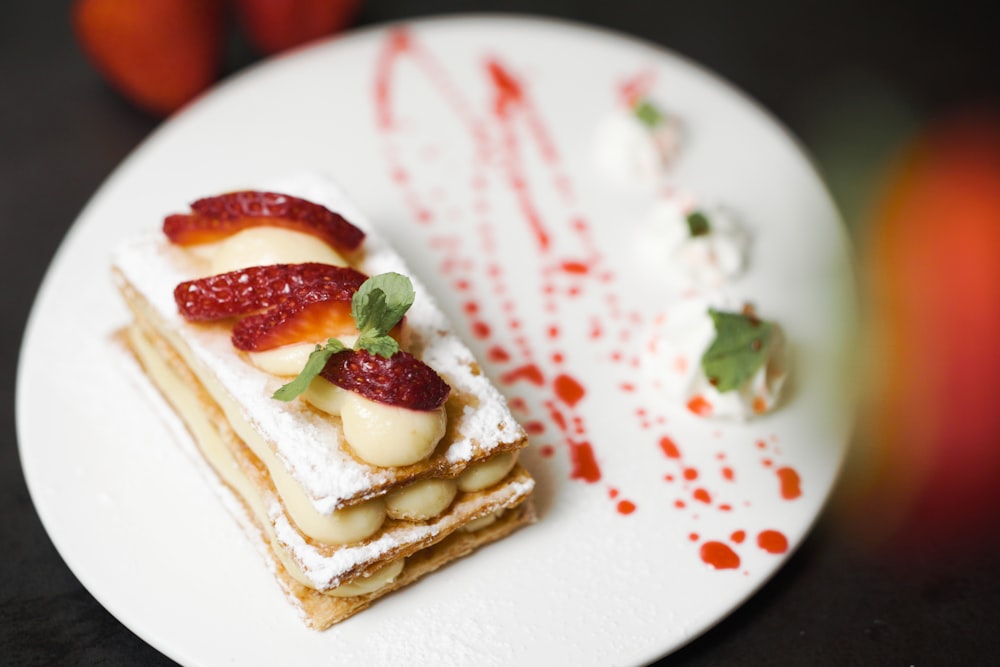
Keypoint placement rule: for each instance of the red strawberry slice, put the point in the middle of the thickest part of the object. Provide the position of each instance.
(402, 380)
(216, 218)
(314, 315)
(257, 288)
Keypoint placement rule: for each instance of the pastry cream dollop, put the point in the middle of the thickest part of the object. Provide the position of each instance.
(261, 246)
(380, 434)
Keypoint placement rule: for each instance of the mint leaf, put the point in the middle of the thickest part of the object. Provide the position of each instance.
(698, 224)
(740, 349)
(377, 306)
(381, 301)
(384, 346)
(648, 114)
(314, 365)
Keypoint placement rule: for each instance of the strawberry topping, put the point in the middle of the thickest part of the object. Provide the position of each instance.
(402, 380)
(315, 314)
(257, 288)
(216, 218)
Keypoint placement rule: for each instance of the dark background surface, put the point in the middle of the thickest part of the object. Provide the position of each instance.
(850, 79)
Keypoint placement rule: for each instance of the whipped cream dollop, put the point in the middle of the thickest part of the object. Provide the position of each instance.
(692, 248)
(633, 149)
(673, 349)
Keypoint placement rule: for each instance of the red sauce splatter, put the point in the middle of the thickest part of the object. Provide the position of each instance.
(738, 536)
(568, 389)
(719, 556)
(584, 465)
(701, 495)
(626, 507)
(669, 448)
(772, 542)
(791, 485)
(727, 474)
(699, 406)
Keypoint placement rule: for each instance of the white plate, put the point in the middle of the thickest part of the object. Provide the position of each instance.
(589, 584)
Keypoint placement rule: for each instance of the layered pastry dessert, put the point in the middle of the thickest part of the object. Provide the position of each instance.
(326, 390)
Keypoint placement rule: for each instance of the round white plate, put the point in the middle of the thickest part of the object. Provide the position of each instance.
(468, 142)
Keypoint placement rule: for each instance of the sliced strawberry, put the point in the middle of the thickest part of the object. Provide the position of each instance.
(314, 315)
(401, 380)
(257, 288)
(215, 218)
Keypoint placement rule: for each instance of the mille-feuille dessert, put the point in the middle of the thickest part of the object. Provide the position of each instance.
(326, 390)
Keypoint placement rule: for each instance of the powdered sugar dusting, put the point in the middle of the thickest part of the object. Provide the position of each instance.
(309, 444)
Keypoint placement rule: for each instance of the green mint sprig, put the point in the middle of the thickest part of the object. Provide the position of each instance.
(648, 113)
(698, 224)
(377, 306)
(741, 346)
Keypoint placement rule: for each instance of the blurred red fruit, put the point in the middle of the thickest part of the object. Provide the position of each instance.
(158, 54)
(932, 266)
(276, 25)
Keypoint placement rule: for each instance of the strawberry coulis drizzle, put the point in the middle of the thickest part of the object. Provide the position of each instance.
(500, 139)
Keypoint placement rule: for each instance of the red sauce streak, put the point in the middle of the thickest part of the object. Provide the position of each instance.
(700, 406)
(738, 536)
(669, 448)
(584, 465)
(791, 485)
(568, 390)
(772, 542)
(719, 556)
(626, 507)
(510, 95)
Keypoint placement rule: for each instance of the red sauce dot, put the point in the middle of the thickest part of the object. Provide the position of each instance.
(772, 542)
(557, 357)
(690, 474)
(693, 537)
(568, 389)
(480, 330)
(767, 463)
(471, 307)
(699, 406)
(626, 507)
(719, 556)
(702, 495)
(627, 387)
(738, 536)
(612, 493)
(680, 504)
(761, 444)
(497, 354)
(547, 451)
(669, 478)
(534, 427)
(727, 474)
(553, 332)
(669, 448)
(725, 507)
(791, 485)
